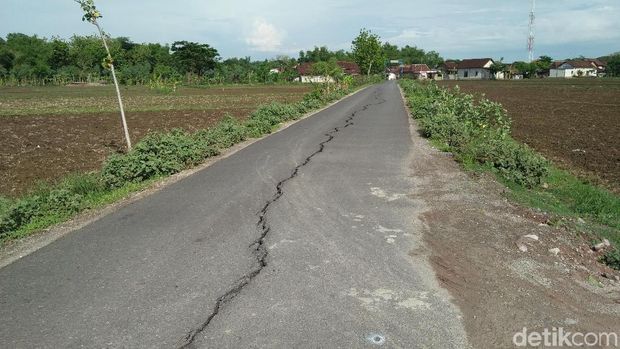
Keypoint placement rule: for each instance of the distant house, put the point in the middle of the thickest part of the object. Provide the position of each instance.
(305, 72)
(474, 69)
(413, 71)
(510, 72)
(601, 67)
(276, 70)
(449, 70)
(349, 68)
(574, 68)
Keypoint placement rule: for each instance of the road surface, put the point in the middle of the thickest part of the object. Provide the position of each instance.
(306, 238)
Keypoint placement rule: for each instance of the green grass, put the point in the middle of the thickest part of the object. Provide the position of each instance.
(65, 100)
(92, 200)
(569, 197)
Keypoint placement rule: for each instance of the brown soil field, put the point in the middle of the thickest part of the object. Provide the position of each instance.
(48, 133)
(573, 122)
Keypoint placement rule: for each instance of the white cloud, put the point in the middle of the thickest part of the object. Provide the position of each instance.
(407, 36)
(265, 37)
(580, 25)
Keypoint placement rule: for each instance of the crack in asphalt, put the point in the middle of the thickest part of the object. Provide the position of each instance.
(258, 245)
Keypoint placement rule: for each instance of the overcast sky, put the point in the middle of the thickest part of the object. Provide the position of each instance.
(264, 29)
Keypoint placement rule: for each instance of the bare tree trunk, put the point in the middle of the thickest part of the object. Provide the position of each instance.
(118, 90)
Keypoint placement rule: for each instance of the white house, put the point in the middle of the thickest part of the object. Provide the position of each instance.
(474, 69)
(571, 69)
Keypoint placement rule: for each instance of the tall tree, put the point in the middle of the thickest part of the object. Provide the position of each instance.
(432, 59)
(368, 52)
(30, 56)
(613, 65)
(412, 55)
(544, 62)
(194, 58)
(391, 51)
(59, 56)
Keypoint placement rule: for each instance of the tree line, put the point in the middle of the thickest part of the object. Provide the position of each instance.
(30, 59)
(406, 54)
(26, 59)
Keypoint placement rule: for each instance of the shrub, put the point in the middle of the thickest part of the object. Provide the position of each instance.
(514, 161)
(227, 132)
(58, 202)
(475, 132)
(155, 155)
(612, 259)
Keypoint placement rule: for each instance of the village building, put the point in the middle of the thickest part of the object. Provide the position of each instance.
(575, 68)
(475, 69)
(449, 70)
(412, 71)
(306, 76)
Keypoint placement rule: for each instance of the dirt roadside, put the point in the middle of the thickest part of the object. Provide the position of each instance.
(472, 239)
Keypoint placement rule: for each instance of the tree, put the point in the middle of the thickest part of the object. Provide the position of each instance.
(432, 59)
(328, 69)
(527, 69)
(544, 62)
(6, 58)
(497, 66)
(322, 54)
(613, 65)
(368, 52)
(391, 51)
(412, 55)
(59, 56)
(91, 14)
(30, 56)
(194, 58)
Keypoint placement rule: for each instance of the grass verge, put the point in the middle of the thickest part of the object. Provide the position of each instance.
(479, 136)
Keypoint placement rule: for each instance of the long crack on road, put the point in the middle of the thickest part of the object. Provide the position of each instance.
(258, 245)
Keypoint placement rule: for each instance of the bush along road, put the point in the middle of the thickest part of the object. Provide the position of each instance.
(346, 229)
(157, 155)
(478, 134)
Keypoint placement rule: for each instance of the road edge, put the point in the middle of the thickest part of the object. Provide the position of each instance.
(34, 242)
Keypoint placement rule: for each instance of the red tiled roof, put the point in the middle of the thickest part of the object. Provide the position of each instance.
(581, 64)
(597, 62)
(349, 68)
(415, 68)
(449, 65)
(556, 64)
(304, 68)
(473, 63)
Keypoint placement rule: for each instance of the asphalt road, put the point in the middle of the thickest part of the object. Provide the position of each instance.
(306, 238)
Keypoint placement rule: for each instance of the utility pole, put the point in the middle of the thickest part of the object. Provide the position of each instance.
(530, 39)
